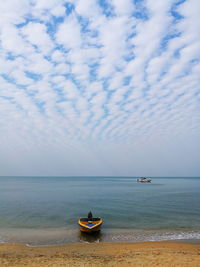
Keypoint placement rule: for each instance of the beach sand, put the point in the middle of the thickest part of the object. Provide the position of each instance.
(103, 254)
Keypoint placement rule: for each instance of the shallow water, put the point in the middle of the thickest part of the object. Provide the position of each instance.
(44, 210)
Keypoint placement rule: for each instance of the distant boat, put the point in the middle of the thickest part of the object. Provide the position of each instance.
(90, 225)
(144, 180)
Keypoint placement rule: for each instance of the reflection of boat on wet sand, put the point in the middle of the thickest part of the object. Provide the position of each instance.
(90, 224)
(144, 180)
(95, 237)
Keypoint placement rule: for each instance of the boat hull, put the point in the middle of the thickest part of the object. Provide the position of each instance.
(90, 225)
(144, 180)
(86, 230)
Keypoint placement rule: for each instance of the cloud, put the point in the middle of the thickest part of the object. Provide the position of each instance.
(69, 33)
(88, 9)
(12, 41)
(123, 7)
(94, 73)
(36, 34)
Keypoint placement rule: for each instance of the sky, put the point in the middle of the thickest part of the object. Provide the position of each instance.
(100, 87)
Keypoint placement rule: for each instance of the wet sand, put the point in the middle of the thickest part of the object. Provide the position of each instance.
(103, 254)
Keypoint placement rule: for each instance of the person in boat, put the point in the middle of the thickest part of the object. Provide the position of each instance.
(90, 216)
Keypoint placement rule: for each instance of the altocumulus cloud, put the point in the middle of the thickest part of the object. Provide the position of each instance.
(84, 80)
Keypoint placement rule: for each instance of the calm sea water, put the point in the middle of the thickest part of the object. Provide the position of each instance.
(44, 210)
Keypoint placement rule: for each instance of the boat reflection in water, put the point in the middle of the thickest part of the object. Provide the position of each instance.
(94, 238)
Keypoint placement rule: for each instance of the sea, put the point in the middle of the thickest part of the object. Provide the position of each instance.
(41, 211)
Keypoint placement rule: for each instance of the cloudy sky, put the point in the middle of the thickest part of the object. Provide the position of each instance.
(100, 87)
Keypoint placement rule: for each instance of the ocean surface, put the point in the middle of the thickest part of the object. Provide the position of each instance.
(45, 210)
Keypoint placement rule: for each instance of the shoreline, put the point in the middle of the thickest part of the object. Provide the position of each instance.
(64, 235)
(152, 253)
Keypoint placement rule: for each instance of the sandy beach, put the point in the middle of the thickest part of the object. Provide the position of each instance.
(103, 254)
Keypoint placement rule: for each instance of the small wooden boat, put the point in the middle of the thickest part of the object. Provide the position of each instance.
(90, 225)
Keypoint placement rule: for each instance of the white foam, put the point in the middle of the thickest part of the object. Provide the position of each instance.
(156, 235)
